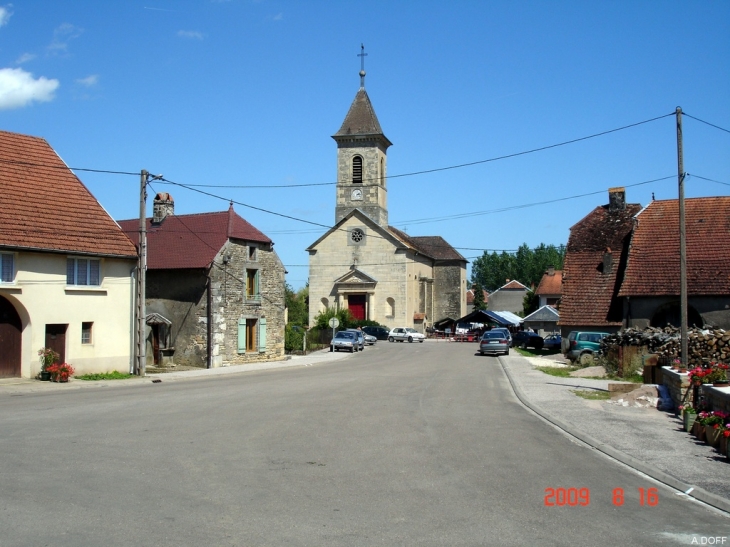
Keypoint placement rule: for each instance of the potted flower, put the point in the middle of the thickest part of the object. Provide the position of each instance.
(689, 415)
(48, 357)
(61, 372)
(712, 422)
(718, 375)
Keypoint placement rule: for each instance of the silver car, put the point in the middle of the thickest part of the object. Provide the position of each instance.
(360, 338)
(344, 340)
(400, 334)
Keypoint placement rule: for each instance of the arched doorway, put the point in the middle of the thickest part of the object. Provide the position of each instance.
(10, 340)
(670, 314)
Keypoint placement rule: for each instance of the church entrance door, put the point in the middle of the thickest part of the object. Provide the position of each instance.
(356, 304)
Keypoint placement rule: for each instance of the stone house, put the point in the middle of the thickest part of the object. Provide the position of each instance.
(622, 265)
(509, 297)
(215, 289)
(66, 268)
(367, 266)
(650, 289)
(594, 264)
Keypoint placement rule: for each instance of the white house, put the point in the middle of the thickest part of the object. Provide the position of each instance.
(66, 268)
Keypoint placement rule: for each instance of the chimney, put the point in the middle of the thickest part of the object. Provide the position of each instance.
(616, 199)
(551, 271)
(163, 206)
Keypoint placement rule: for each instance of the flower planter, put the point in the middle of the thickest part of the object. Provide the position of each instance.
(720, 384)
(698, 430)
(689, 420)
(713, 436)
(44, 376)
(722, 447)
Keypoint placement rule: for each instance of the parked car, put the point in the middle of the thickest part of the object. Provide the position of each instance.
(494, 341)
(370, 339)
(346, 340)
(527, 339)
(504, 331)
(360, 336)
(381, 333)
(583, 346)
(553, 341)
(401, 334)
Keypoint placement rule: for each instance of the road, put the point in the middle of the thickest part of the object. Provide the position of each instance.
(402, 444)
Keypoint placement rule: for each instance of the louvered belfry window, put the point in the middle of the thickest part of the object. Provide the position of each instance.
(357, 169)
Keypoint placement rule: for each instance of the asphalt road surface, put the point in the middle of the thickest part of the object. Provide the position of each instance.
(402, 444)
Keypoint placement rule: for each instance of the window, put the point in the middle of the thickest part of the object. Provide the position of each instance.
(390, 307)
(251, 252)
(251, 335)
(83, 271)
(357, 235)
(324, 304)
(7, 268)
(357, 169)
(86, 333)
(382, 172)
(252, 285)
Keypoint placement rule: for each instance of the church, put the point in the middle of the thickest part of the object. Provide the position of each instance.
(362, 264)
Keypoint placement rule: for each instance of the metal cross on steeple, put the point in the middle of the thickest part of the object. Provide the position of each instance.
(362, 56)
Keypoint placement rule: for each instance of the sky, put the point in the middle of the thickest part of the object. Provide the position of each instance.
(243, 96)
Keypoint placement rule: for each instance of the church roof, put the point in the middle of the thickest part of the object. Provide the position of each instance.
(361, 118)
(435, 247)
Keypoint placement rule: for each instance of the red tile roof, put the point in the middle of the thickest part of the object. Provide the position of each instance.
(191, 241)
(589, 293)
(470, 296)
(653, 262)
(513, 285)
(551, 283)
(44, 206)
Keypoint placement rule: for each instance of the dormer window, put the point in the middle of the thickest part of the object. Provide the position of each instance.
(357, 169)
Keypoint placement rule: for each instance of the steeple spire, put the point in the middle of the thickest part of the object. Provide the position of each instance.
(362, 56)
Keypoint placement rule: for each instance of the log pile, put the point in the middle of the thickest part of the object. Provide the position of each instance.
(703, 345)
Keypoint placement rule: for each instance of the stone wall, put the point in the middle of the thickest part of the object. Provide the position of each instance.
(449, 281)
(182, 297)
(677, 383)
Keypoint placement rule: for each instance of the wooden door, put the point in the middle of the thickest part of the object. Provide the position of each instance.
(56, 340)
(10, 340)
(356, 304)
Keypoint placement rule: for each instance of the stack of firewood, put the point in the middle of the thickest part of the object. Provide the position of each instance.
(703, 345)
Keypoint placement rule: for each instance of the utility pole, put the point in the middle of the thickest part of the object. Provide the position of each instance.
(141, 338)
(682, 241)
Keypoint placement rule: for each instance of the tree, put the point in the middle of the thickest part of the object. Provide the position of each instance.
(478, 301)
(296, 304)
(530, 303)
(526, 265)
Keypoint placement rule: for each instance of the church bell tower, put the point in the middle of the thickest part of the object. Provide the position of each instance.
(362, 159)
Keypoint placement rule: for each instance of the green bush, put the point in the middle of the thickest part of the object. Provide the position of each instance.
(293, 338)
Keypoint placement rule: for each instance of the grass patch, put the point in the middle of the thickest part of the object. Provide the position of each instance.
(592, 395)
(562, 372)
(532, 352)
(105, 376)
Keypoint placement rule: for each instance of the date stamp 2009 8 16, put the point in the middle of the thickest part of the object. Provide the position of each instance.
(573, 497)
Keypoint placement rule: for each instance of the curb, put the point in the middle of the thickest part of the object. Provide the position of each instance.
(688, 489)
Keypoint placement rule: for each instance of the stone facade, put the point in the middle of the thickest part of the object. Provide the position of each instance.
(367, 266)
(181, 296)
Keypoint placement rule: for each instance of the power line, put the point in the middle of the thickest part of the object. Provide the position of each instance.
(707, 123)
(710, 180)
(438, 169)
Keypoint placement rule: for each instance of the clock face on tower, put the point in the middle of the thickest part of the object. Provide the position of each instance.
(356, 194)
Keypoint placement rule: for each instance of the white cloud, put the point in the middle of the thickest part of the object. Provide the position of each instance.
(18, 88)
(278, 17)
(25, 58)
(190, 34)
(89, 81)
(62, 35)
(5, 14)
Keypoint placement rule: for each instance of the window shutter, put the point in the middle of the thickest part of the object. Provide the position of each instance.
(241, 335)
(256, 284)
(262, 335)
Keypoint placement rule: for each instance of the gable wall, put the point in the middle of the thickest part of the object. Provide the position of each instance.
(377, 258)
